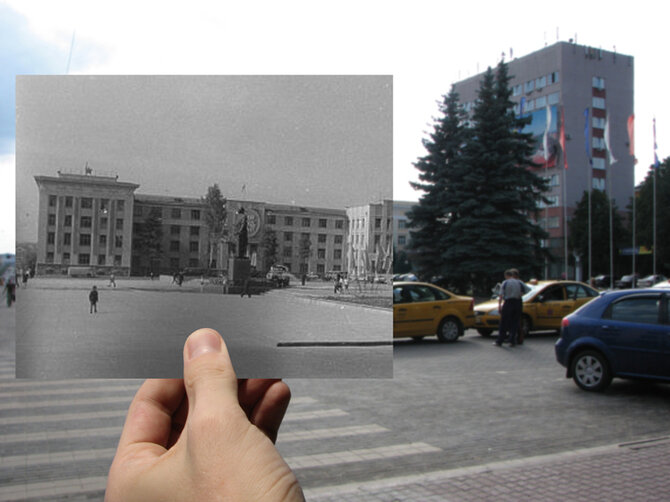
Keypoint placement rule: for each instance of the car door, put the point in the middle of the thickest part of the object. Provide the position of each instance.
(579, 294)
(551, 306)
(413, 312)
(635, 328)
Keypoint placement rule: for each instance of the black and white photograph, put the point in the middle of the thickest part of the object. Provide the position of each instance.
(258, 206)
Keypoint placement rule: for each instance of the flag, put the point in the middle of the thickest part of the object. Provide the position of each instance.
(561, 139)
(631, 137)
(656, 162)
(545, 138)
(607, 141)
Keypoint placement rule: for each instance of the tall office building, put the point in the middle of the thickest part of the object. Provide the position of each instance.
(589, 93)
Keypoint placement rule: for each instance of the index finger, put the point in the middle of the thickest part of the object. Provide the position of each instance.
(150, 413)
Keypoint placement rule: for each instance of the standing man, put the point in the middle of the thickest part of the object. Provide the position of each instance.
(112, 280)
(509, 306)
(93, 299)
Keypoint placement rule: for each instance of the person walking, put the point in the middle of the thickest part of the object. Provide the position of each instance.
(10, 290)
(93, 300)
(112, 280)
(509, 306)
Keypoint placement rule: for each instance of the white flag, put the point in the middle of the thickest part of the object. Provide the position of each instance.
(607, 140)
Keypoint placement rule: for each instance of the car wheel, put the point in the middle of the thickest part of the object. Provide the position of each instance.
(450, 329)
(590, 371)
(484, 332)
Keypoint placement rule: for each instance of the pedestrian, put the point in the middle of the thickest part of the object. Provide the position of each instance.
(209, 436)
(524, 289)
(112, 280)
(224, 282)
(93, 299)
(10, 290)
(509, 306)
(25, 277)
(245, 289)
(346, 284)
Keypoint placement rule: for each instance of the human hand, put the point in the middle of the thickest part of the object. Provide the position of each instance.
(207, 437)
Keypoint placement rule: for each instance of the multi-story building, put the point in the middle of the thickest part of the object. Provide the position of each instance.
(589, 93)
(401, 229)
(370, 239)
(84, 220)
(96, 222)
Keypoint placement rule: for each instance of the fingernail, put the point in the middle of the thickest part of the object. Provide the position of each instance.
(202, 342)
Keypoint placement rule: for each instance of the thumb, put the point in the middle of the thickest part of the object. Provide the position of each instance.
(209, 377)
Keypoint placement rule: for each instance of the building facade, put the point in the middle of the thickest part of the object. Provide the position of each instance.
(98, 224)
(401, 228)
(370, 240)
(589, 94)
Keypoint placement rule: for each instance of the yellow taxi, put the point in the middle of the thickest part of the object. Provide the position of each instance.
(421, 309)
(545, 304)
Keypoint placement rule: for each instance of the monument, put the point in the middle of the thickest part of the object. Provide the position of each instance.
(239, 266)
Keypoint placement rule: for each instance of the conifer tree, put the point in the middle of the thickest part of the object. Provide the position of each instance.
(441, 165)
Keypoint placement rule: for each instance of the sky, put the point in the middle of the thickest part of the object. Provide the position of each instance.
(426, 45)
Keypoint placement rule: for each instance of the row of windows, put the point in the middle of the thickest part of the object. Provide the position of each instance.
(287, 252)
(537, 103)
(84, 259)
(174, 213)
(87, 203)
(84, 221)
(194, 246)
(536, 83)
(84, 239)
(271, 219)
(321, 238)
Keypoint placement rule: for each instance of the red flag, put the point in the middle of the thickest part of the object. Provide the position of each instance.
(631, 136)
(561, 138)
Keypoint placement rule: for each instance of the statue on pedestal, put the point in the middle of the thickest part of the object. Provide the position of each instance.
(242, 235)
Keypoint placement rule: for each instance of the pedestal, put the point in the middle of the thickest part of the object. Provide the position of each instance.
(238, 270)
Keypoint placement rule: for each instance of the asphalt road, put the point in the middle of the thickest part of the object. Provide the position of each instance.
(448, 406)
(140, 327)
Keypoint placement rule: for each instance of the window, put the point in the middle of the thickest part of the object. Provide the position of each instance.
(287, 252)
(52, 200)
(103, 240)
(175, 229)
(599, 163)
(288, 221)
(576, 291)
(323, 223)
(120, 205)
(321, 238)
(337, 254)
(339, 224)
(552, 294)
(553, 98)
(599, 122)
(85, 239)
(194, 231)
(541, 82)
(104, 205)
(174, 246)
(410, 294)
(541, 102)
(137, 211)
(119, 223)
(271, 219)
(306, 222)
(321, 254)
(86, 203)
(402, 240)
(67, 239)
(378, 223)
(338, 239)
(68, 201)
(529, 86)
(643, 309)
(320, 268)
(530, 105)
(598, 103)
(85, 222)
(552, 180)
(66, 258)
(194, 246)
(68, 220)
(84, 259)
(52, 219)
(553, 77)
(175, 213)
(195, 214)
(51, 238)
(598, 143)
(288, 236)
(102, 259)
(118, 241)
(117, 260)
(103, 222)
(552, 201)
(516, 90)
(598, 184)
(598, 83)
(50, 257)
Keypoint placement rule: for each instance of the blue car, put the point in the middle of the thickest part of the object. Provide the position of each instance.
(624, 334)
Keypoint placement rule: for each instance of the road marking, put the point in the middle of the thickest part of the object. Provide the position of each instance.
(17, 394)
(62, 417)
(352, 456)
(332, 432)
(21, 383)
(54, 403)
(33, 459)
(311, 415)
(25, 437)
(49, 489)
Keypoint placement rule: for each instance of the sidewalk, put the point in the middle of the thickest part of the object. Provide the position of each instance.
(620, 472)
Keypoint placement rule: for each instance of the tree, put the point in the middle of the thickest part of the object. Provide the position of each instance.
(493, 200)
(149, 238)
(644, 216)
(270, 246)
(401, 263)
(578, 228)
(439, 170)
(215, 217)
